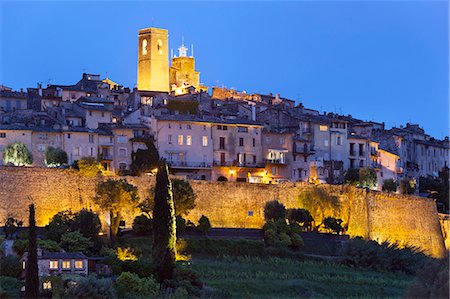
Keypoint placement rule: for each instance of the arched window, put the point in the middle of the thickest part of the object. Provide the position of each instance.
(144, 47)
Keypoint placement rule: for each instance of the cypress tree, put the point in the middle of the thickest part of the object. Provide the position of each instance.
(164, 229)
(32, 278)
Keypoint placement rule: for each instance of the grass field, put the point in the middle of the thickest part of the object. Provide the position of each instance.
(242, 276)
(248, 277)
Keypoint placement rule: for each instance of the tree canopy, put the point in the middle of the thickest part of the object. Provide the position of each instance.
(17, 154)
(55, 157)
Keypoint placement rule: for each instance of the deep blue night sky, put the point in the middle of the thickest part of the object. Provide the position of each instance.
(378, 60)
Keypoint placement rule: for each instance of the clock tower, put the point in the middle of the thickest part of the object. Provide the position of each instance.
(153, 60)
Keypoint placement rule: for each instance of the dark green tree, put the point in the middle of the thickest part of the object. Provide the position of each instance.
(333, 224)
(116, 196)
(204, 226)
(142, 225)
(389, 185)
(302, 216)
(75, 241)
(368, 178)
(87, 223)
(17, 154)
(32, 278)
(144, 160)
(11, 227)
(183, 196)
(352, 176)
(274, 210)
(55, 156)
(60, 224)
(164, 230)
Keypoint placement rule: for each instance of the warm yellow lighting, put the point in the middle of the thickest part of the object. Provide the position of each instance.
(232, 172)
(100, 233)
(125, 254)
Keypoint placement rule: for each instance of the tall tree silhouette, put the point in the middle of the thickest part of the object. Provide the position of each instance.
(32, 278)
(164, 229)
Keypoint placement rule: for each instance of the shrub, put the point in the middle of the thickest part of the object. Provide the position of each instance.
(142, 225)
(432, 281)
(389, 185)
(75, 241)
(333, 224)
(10, 266)
(383, 257)
(60, 224)
(352, 176)
(297, 241)
(368, 178)
(87, 223)
(285, 240)
(10, 287)
(204, 226)
(270, 237)
(295, 228)
(185, 278)
(270, 225)
(11, 227)
(55, 157)
(17, 154)
(230, 247)
(300, 216)
(282, 226)
(130, 285)
(408, 186)
(91, 287)
(89, 166)
(274, 210)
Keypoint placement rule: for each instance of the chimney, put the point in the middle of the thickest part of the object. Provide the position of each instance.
(254, 113)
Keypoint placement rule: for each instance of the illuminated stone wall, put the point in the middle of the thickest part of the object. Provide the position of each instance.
(378, 216)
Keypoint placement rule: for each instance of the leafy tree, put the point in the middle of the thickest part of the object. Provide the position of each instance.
(164, 230)
(130, 285)
(49, 245)
(10, 266)
(368, 178)
(87, 223)
(389, 185)
(204, 226)
(144, 160)
(274, 210)
(91, 287)
(11, 227)
(55, 156)
(116, 196)
(181, 223)
(183, 196)
(408, 186)
(333, 224)
(75, 241)
(89, 166)
(10, 287)
(352, 176)
(299, 215)
(60, 224)
(17, 154)
(142, 225)
(32, 278)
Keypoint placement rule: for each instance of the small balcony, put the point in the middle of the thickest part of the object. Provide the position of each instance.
(275, 161)
(192, 165)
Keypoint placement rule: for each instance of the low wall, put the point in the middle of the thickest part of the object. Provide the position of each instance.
(407, 220)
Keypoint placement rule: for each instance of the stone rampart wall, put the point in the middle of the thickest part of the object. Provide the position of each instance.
(378, 216)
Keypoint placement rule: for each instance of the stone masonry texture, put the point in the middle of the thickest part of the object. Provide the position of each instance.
(407, 220)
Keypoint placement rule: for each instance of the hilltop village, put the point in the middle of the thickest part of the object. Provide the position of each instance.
(204, 133)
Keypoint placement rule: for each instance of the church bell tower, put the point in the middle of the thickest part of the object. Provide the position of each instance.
(153, 60)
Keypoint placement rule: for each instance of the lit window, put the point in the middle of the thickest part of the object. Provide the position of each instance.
(323, 128)
(53, 264)
(23, 265)
(144, 47)
(180, 139)
(47, 285)
(188, 140)
(78, 264)
(66, 264)
(205, 141)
